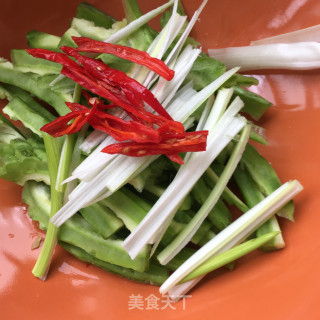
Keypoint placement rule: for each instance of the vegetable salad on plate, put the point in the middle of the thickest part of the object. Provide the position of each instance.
(137, 148)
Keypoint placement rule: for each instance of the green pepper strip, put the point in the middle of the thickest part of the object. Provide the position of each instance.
(53, 151)
(229, 256)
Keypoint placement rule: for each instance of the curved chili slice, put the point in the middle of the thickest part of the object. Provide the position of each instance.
(64, 125)
(169, 145)
(140, 57)
(132, 88)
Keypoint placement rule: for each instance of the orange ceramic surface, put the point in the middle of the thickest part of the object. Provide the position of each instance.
(281, 285)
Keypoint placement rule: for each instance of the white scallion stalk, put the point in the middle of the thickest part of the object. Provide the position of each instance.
(112, 177)
(92, 190)
(236, 232)
(173, 55)
(171, 31)
(294, 56)
(204, 117)
(196, 100)
(165, 90)
(302, 35)
(136, 24)
(92, 141)
(180, 290)
(188, 232)
(158, 47)
(188, 174)
(176, 50)
(94, 163)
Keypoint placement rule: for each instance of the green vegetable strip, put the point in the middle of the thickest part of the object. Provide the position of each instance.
(180, 258)
(37, 39)
(265, 177)
(211, 179)
(219, 216)
(203, 233)
(182, 239)
(204, 71)
(24, 62)
(154, 275)
(10, 92)
(144, 36)
(253, 196)
(8, 131)
(22, 160)
(59, 170)
(130, 211)
(39, 86)
(88, 12)
(258, 134)
(53, 152)
(17, 109)
(158, 191)
(101, 219)
(205, 237)
(67, 150)
(78, 232)
(254, 105)
(229, 256)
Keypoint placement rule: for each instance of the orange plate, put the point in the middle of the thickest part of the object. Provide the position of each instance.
(280, 285)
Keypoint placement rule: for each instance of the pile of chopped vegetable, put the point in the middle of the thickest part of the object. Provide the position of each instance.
(134, 162)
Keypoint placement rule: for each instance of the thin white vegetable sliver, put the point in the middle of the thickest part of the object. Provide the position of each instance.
(94, 163)
(169, 88)
(136, 24)
(187, 109)
(92, 140)
(223, 97)
(171, 26)
(180, 290)
(294, 56)
(173, 55)
(301, 35)
(141, 73)
(181, 185)
(94, 189)
(236, 231)
(176, 50)
(164, 257)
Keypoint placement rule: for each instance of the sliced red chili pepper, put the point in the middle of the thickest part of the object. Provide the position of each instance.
(170, 145)
(57, 57)
(79, 75)
(185, 137)
(77, 107)
(98, 87)
(175, 158)
(131, 87)
(123, 130)
(127, 53)
(64, 125)
(123, 133)
(100, 103)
